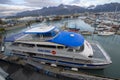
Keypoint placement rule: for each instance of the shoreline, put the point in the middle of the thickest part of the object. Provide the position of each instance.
(15, 27)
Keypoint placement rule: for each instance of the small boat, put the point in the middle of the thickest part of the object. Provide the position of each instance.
(105, 33)
(73, 29)
(86, 32)
(48, 44)
(102, 28)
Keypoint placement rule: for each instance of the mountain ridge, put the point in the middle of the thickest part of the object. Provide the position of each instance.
(70, 9)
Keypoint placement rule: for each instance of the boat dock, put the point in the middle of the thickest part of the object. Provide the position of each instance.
(32, 68)
(62, 73)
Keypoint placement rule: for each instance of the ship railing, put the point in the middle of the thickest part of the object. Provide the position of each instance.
(34, 38)
(107, 57)
(104, 53)
(99, 61)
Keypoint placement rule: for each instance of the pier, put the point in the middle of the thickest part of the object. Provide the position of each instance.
(29, 69)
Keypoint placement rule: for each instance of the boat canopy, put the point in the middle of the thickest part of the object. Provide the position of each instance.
(70, 39)
(39, 30)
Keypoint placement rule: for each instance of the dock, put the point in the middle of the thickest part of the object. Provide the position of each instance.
(38, 68)
(63, 73)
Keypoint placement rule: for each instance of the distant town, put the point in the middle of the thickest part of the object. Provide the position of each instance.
(109, 20)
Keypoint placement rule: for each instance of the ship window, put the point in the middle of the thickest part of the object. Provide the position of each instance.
(28, 45)
(60, 47)
(31, 54)
(47, 34)
(70, 50)
(44, 35)
(46, 46)
(15, 44)
(90, 56)
(79, 49)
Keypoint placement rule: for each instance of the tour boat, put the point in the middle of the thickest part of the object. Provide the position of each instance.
(50, 45)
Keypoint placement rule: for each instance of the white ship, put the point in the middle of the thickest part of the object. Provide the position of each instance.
(48, 44)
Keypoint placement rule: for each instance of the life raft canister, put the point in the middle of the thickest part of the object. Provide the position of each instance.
(53, 52)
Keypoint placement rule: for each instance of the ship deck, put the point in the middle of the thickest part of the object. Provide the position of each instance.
(99, 52)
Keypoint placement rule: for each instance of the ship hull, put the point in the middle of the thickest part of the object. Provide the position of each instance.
(72, 64)
(67, 62)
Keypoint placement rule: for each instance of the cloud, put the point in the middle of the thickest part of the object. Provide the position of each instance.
(87, 3)
(6, 10)
(75, 1)
(5, 2)
(47, 3)
(41, 3)
(8, 7)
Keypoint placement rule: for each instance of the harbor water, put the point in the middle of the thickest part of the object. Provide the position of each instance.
(111, 44)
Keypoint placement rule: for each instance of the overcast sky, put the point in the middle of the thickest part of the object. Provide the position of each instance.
(9, 7)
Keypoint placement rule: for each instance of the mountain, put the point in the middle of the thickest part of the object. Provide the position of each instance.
(59, 10)
(91, 7)
(111, 7)
(70, 9)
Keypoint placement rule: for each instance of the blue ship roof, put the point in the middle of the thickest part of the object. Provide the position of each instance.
(69, 39)
(13, 37)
